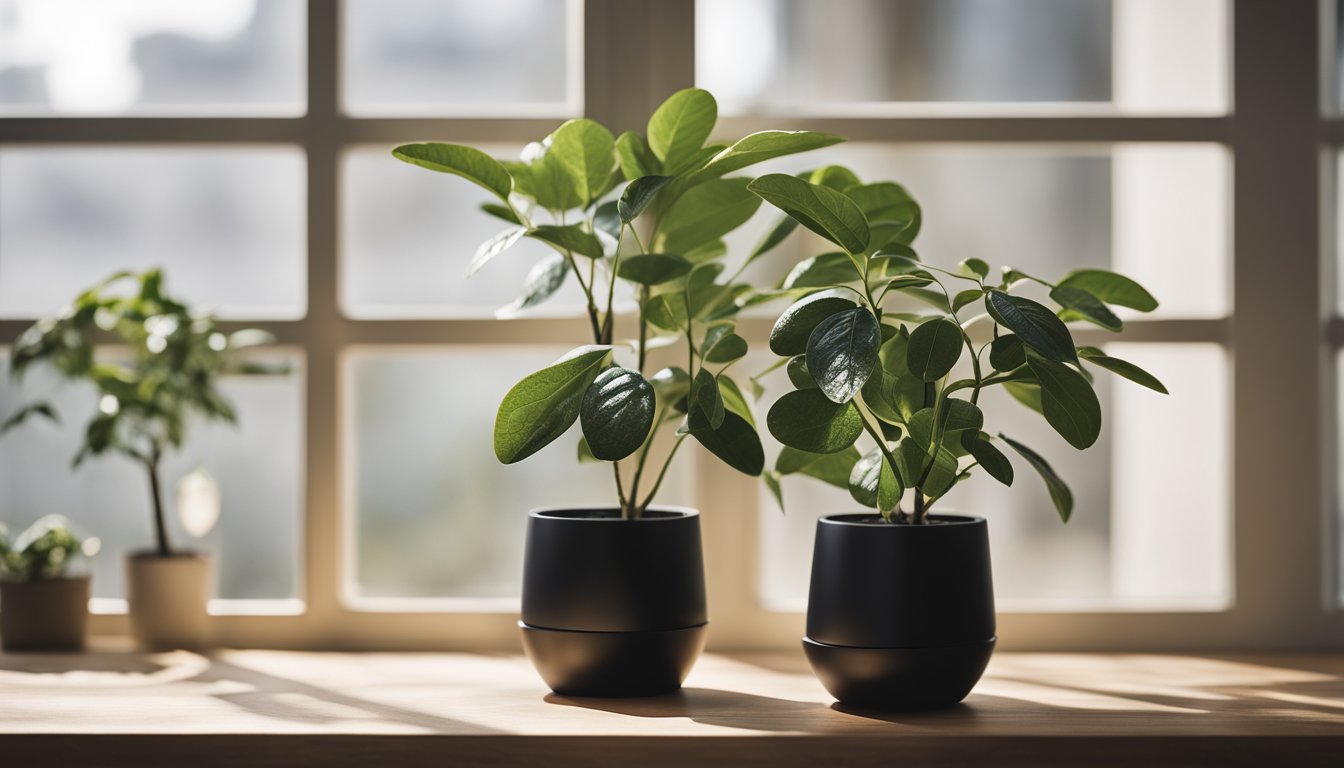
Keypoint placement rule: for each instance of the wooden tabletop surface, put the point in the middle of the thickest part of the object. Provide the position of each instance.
(256, 707)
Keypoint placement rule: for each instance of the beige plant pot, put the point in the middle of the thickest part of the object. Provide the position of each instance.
(167, 597)
(44, 615)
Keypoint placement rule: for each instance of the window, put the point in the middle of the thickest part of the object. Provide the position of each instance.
(244, 147)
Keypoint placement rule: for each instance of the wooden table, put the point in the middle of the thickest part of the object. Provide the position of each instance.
(260, 708)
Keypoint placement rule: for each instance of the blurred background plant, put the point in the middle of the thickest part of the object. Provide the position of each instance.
(47, 549)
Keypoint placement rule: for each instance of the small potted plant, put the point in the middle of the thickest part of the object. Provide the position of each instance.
(164, 375)
(613, 596)
(901, 606)
(44, 604)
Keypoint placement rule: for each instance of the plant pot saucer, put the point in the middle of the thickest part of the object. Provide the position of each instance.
(613, 664)
(899, 679)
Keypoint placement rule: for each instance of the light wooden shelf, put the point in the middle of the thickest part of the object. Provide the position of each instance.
(259, 708)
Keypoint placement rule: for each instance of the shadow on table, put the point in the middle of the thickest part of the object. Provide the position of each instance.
(45, 663)
(710, 706)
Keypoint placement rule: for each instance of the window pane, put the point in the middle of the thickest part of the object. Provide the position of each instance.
(1158, 213)
(259, 466)
(152, 57)
(435, 513)
(454, 57)
(409, 234)
(863, 56)
(1151, 524)
(228, 225)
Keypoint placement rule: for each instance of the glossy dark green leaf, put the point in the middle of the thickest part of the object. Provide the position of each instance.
(893, 393)
(1038, 327)
(653, 268)
(679, 126)
(636, 160)
(1068, 402)
(889, 489)
(638, 195)
(842, 352)
(791, 332)
(501, 212)
(667, 310)
(1007, 353)
(468, 162)
(960, 415)
(706, 398)
(544, 279)
(493, 247)
(545, 404)
(934, 348)
(1086, 305)
(799, 376)
(733, 399)
(573, 238)
(1111, 288)
(586, 150)
(617, 413)
(821, 209)
(671, 384)
(824, 270)
(809, 421)
(727, 349)
(966, 297)
(1121, 368)
(1059, 492)
(864, 477)
(830, 468)
(705, 214)
(734, 441)
(607, 219)
(759, 147)
(991, 459)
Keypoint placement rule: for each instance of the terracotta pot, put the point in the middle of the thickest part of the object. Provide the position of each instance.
(167, 598)
(44, 615)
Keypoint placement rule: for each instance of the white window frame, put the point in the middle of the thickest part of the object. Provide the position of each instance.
(634, 52)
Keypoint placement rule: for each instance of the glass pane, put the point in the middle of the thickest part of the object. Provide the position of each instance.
(259, 466)
(1158, 213)
(435, 513)
(866, 56)
(227, 225)
(408, 235)
(1151, 526)
(153, 57)
(455, 57)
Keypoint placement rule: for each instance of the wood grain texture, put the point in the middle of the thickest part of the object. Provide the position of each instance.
(283, 708)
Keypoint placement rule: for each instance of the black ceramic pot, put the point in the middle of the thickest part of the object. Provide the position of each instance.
(900, 616)
(44, 615)
(613, 607)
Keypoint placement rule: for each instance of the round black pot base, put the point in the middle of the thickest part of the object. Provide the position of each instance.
(613, 664)
(899, 679)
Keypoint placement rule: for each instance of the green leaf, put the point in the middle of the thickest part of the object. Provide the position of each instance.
(965, 297)
(991, 459)
(671, 384)
(635, 158)
(1007, 353)
(501, 212)
(934, 348)
(678, 128)
(733, 400)
(704, 214)
(960, 415)
(810, 421)
(550, 182)
(772, 482)
(759, 147)
(493, 247)
(573, 238)
(974, 268)
(468, 162)
(1038, 327)
(837, 177)
(831, 468)
(734, 441)
(1087, 305)
(864, 478)
(607, 218)
(791, 332)
(584, 454)
(1068, 402)
(889, 489)
(707, 399)
(1026, 393)
(824, 270)
(43, 409)
(545, 404)
(638, 195)
(586, 150)
(799, 376)
(653, 268)
(617, 413)
(725, 350)
(842, 351)
(706, 252)
(542, 282)
(1111, 288)
(1059, 492)
(1122, 368)
(820, 209)
(891, 212)
(667, 311)
(781, 230)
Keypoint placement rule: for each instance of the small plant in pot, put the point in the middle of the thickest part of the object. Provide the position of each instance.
(901, 607)
(44, 598)
(160, 373)
(613, 596)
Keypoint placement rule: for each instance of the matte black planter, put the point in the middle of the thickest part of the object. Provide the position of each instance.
(613, 607)
(900, 616)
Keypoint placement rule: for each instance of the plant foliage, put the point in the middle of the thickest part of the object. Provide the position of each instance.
(44, 550)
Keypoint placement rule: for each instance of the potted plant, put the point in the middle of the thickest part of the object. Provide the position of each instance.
(165, 375)
(43, 605)
(613, 595)
(901, 606)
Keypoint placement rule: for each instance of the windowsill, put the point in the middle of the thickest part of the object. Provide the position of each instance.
(268, 707)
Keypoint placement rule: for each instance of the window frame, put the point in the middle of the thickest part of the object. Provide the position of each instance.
(1283, 152)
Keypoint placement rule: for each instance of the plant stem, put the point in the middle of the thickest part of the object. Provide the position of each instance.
(865, 416)
(620, 491)
(643, 327)
(661, 474)
(644, 457)
(156, 496)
